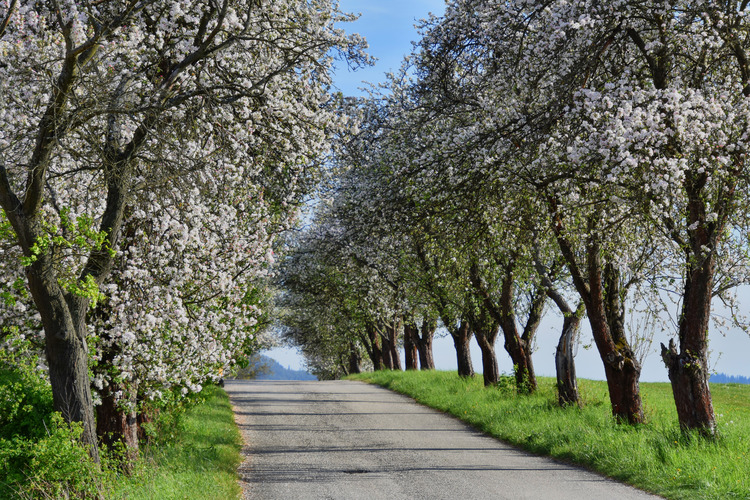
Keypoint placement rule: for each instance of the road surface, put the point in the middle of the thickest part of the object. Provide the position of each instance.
(349, 440)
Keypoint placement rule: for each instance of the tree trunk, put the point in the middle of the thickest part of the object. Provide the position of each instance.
(393, 343)
(692, 396)
(624, 390)
(424, 345)
(343, 366)
(63, 314)
(688, 368)
(606, 317)
(117, 424)
(67, 352)
(391, 356)
(523, 367)
(354, 359)
(517, 346)
(387, 350)
(116, 420)
(601, 293)
(565, 368)
(461, 338)
(411, 334)
(490, 367)
(485, 329)
(567, 383)
(374, 350)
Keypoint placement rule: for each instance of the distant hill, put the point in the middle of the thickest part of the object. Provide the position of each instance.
(723, 378)
(265, 368)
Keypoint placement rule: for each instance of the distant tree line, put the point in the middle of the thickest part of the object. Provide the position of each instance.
(262, 367)
(723, 378)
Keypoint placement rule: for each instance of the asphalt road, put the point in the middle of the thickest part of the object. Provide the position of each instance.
(349, 440)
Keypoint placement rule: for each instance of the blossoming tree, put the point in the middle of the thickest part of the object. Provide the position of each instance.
(629, 120)
(102, 101)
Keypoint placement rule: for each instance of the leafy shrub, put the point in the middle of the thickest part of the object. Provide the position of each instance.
(55, 466)
(25, 403)
(39, 452)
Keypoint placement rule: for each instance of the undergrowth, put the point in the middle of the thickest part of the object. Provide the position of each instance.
(193, 450)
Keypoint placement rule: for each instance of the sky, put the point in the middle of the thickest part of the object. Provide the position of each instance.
(389, 27)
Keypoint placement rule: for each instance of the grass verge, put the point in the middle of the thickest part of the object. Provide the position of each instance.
(199, 462)
(655, 456)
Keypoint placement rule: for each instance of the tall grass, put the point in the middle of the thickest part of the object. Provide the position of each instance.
(655, 456)
(199, 462)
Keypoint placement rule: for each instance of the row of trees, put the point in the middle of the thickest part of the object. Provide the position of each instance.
(585, 156)
(150, 153)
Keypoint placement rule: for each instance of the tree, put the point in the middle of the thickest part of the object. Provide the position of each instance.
(662, 118)
(331, 307)
(629, 115)
(99, 97)
(186, 298)
(567, 383)
(504, 111)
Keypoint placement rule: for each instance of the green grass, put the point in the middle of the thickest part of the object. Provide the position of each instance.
(200, 462)
(656, 456)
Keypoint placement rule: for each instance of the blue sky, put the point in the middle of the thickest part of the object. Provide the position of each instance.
(388, 26)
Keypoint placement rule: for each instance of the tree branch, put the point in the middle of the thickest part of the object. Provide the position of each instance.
(6, 21)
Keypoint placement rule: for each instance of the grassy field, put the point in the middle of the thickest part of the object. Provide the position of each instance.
(655, 457)
(200, 462)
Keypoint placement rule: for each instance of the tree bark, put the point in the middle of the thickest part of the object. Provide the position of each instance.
(391, 356)
(67, 358)
(62, 315)
(116, 421)
(517, 346)
(461, 339)
(621, 368)
(565, 368)
(486, 340)
(624, 367)
(688, 368)
(692, 395)
(354, 359)
(394, 332)
(387, 350)
(117, 424)
(373, 348)
(424, 345)
(486, 329)
(411, 356)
